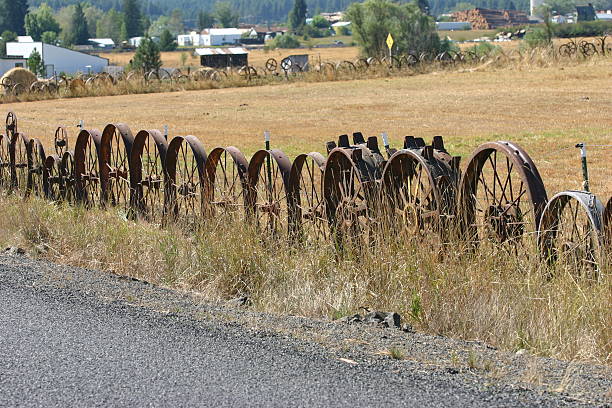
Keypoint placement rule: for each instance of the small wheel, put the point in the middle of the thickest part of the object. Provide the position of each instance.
(362, 64)
(286, 64)
(18, 151)
(226, 182)
(18, 89)
(115, 150)
(36, 166)
(268, 179)
(67, 171)
(53, 182)
(346, 67)
(271, 65)
(185, 163)
(147, 171)
(87, 168)
(502, 194)
(571, 231)
(350, 191)
(307, 221)
(61, 141)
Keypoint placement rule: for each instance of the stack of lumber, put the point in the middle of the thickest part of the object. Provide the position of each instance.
(487, 19)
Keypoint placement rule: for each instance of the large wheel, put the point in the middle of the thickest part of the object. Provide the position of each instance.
(88, 190)
(115, 149)
(67, 171)
(18, 151)
(307, 219)
(502, 195)
(5, 162)
(36, 166)
(416, 192)
(350, 191)
(267, 195)
(147, 173)
(185, 163)
(226, 186)
(53, 182)
(571, 230)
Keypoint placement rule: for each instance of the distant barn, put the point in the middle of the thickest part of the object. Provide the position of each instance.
(223, 57)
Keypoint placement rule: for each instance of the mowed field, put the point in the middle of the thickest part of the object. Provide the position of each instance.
(546, 110)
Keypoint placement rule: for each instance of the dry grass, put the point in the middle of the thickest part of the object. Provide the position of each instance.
(545, 109)
(487, 296)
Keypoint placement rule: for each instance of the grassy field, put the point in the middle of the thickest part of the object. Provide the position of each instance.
(547, 110)
(486, 295)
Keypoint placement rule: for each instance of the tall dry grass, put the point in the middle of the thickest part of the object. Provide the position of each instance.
(487, 295)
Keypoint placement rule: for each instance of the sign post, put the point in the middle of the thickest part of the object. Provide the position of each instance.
(390, 44)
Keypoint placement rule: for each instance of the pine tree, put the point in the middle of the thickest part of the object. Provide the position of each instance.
(225, 14)
(166, 41)
(79, 26)
(297, 16)
(147, 57)
(36, 63)
(132, 18)
(205, 20)
(12, 15)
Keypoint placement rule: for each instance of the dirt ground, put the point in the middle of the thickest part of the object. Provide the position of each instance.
(546, 110)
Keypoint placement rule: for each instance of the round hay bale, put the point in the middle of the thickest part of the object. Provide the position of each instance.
(19, 76)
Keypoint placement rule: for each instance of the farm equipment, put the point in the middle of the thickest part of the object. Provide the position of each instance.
(354, 193)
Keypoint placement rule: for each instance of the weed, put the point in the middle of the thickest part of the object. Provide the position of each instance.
(396, 353)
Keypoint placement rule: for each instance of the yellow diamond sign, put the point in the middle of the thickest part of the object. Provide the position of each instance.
(390, 41)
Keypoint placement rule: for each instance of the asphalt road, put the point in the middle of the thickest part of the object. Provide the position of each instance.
(64, 346)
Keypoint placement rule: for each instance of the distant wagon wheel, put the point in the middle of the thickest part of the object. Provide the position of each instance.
(152, 76)
(470, 56)
(226, 187)
(604, 49)
(362, 64)
(268, 180)
(247, 72)
(18, 89)
(409, 60)
(67, 171)
(571, 231)
(37, 87)
(7, 83)
(185, 162)
(587, 49)
(5, 162)
(445, 57)
(346, 67)
(350, 191)
(134, 76)
(307, 218)
(76, 85)
(567, 50)
(60, 141)
(18, 151)
(502, 195)
(217, 76)
(147, 172)
(271, 65)
(183, 79)
(286, 64)
(53, 182)
(115, 149)
(373, 62)
(90, 82)
(87, 168)
(52, 87)
(36, 166)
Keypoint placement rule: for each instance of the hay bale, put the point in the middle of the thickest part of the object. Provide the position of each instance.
(18, 76)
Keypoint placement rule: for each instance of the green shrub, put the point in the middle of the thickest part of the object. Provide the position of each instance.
(583, 29)
(284, 41)
(484, 49)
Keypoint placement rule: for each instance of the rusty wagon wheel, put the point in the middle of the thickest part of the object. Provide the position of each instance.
(307, 219)
(115, 149)
(36, 166)
(67, 172)
(418, 190)
(362, 64)
(247, 72)
(147, 172)
(346, 67)
(18, 152)
(5, 162)
(226, 186)
(587, 49)
(271, 65)
(53, 182)
(60, 141)
(185, 162)
(571, 231)
(350, 191)
(87, 190)
(502, 194)
(268, 180)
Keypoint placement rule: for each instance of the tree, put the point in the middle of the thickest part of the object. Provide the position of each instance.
(76, 33)
(175, 23)
(423, 6)
(320, 22)
(132, 18)
(39, 21)
(93, 15)
(49, 37)
(7, 36)
(36, 63)
(461, 6)
(166, 41)
(205, 20)
(297, 16)
(225, 14)
(413, 31)
(12, 15)
(284, 41)
(147, 57)
(109, 26)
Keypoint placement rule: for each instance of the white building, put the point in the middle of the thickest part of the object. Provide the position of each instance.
(102, 43)
(221, 36)
(193, 39)
(6, 64)
(58, 59)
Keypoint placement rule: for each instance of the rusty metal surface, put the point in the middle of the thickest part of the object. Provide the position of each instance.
(306, 205)
(115, 148)
(226, 184)
(88, 190)
(36, 165)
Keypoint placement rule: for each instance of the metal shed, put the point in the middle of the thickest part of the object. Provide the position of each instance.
(223, 57)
